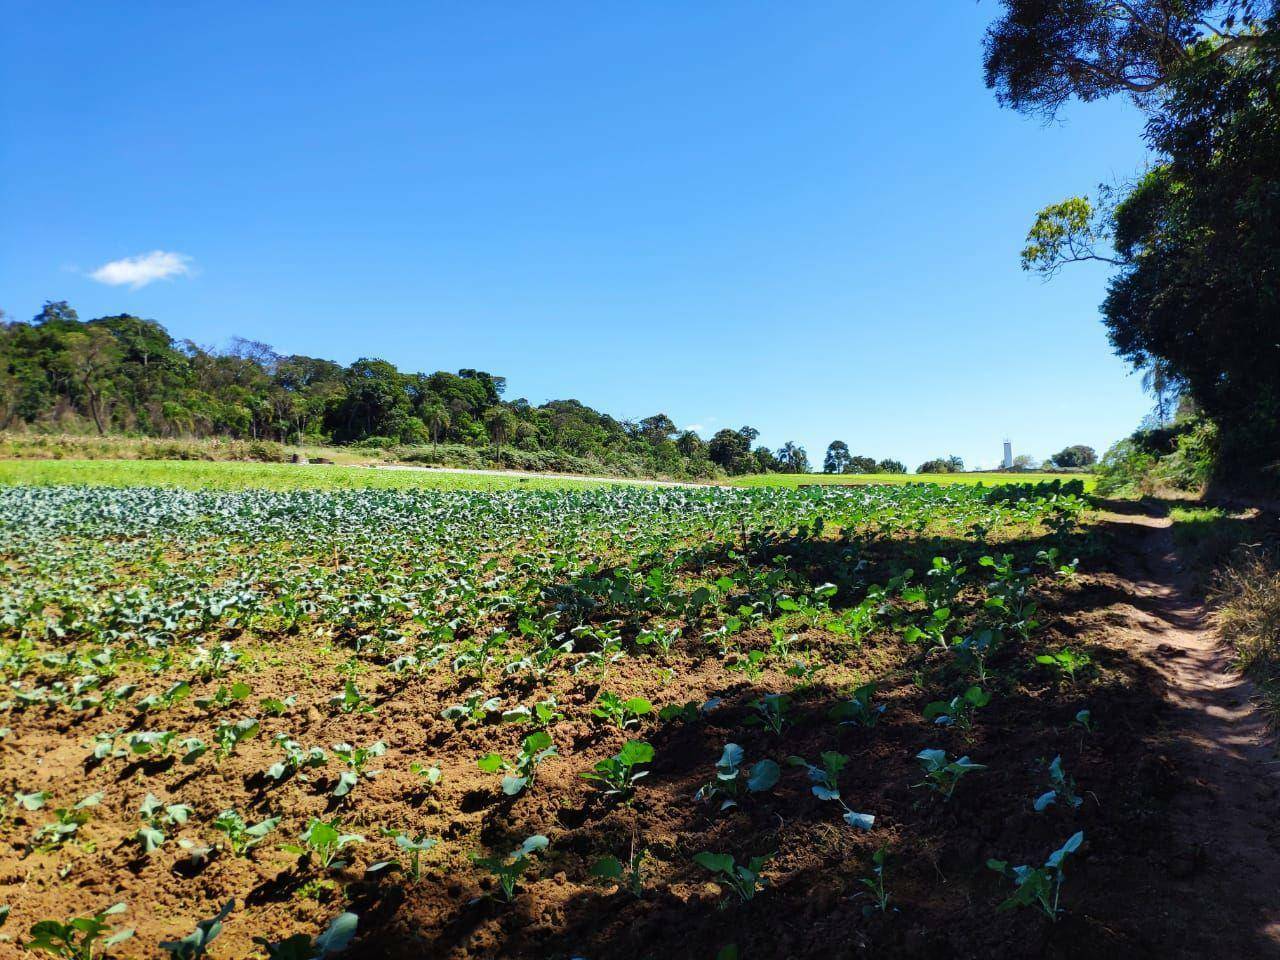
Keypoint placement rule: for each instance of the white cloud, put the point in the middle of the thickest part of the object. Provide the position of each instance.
(695, 427)
(143, 269)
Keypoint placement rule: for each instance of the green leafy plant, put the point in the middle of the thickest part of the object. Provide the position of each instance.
(242, 836)
(155, 817)
(1062, 788)
(428, 774)
(534, 749)
(168, 698)
(859, 708)
(151, 743)
(324, 841)
(621, 713)
(771, 712)
(475, 708)
(336, 937)
(351, 700)
(67, 822)
(744, 880)
(356, 758)
(959, 710)
(225, 696)
(732, 778)
(1084, 720)
(228, 736)
(942, 775)
(825, 785)
(1039, 887)
(876, 882)
(78, 938)
(618, 774)
(414, 847)
(509, 869)
(196, 944)
(629, 874)
(296, 759)
(277, 707)
(1066, 663)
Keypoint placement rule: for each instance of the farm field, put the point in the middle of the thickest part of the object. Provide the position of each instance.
(612, 722)
(232, 475)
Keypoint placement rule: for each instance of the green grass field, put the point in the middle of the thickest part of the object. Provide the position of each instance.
(234, 475)
(990, 479)
(227, 475)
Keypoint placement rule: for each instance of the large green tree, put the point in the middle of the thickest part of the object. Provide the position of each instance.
(1194, 299)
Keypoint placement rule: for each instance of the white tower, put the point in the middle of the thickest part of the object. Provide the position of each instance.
(1007, 463)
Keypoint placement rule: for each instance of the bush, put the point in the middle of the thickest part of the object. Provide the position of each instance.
(1177, 457)
(1247, 614)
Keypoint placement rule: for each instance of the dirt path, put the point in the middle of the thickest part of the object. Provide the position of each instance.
(1227, 815)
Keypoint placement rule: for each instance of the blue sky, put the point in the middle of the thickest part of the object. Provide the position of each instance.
(781, 215)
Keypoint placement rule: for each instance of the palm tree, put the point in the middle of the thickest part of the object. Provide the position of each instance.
(436, 417)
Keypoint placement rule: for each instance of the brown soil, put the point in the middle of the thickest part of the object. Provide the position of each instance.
(1180, 811)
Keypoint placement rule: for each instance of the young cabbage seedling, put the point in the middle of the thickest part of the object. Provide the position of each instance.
(1061, 787)
(942, 775)
(196, 944)
(336, 937)
(69, 821)
(621, 713)
(1084, 720)
(1039, 887)
(876, 882)
(510, 868)
(858, 709)
(771, 712)
(745, 881)
(77, 938)
(534, 749)
(155, 817)
(241, 836)
(324, 841)
(618, 774)
(428, 773)
(629, 874)
(732, 776)
(296, 759)
(1066, 663)
(229, 735)
(826, 787)
(351, 700)
(959, 710)
(414, 847)
(355, 758)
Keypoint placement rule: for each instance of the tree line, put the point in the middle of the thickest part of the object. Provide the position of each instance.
(123, 374)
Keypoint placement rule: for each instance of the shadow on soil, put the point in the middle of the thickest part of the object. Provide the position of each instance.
(1127, 890)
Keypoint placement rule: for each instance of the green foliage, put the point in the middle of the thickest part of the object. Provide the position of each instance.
(534, 749)
(78, 938)
(196, 944)
(324, 840)
(942, 774)
(242, 836)
(335, 938)
(732, 778)
(745, 880)
(1039, 887)
(509, 869)
(618, 774)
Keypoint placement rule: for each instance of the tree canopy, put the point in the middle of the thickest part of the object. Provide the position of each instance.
(1194, 299)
